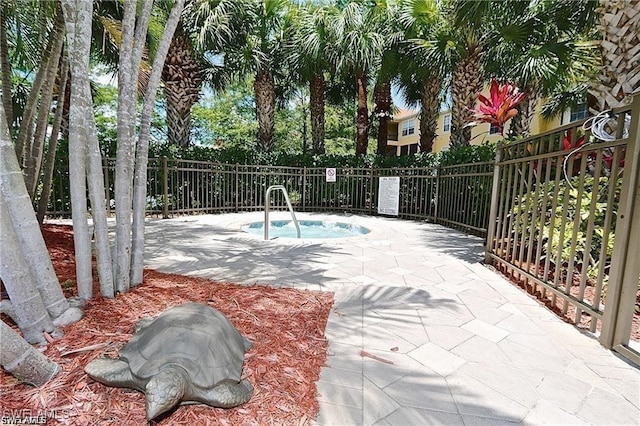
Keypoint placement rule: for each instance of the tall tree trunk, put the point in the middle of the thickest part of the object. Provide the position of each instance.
(30, 109)
(183, 84)
(5, 65)
(362, 115)
(429, 112)
(34, 159)
(142, 151)
(24, 361)
(521, 122)
(18, 213)
(466, 83)
(265, 108)
(77, 43)
(85, 161)
(27, 308)
(382, 100)
(43, 201)
(130, 54)
(95, 180)
(316, 105)
(619, 74)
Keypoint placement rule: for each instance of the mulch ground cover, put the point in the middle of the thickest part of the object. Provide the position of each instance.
(286, 325)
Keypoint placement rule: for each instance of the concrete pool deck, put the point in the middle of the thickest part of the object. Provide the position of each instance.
(421, 332)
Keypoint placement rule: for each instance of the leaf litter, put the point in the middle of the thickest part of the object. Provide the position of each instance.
(286, 326)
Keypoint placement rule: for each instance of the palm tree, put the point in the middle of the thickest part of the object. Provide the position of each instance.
(538, 45)
(182, 87)
(254, 34)
(388, 22)
(358, 50)
(424, 64)
(308, 59)
(619, 73)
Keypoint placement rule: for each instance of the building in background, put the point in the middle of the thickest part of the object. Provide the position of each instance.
(404, 129)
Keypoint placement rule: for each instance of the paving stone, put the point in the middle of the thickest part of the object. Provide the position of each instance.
(340, 377)
(422, 391)
(507, 380)
(342, 395)
(469, 420)
(483, 329)
(547, 412)
(447, 337)
(338, 415)
(618, 410)
(415, 417)
(565, 391)
(477, 399)
(480, 350)
(440, 360)
(377, 404)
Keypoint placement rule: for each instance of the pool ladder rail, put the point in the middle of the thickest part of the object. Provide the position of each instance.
(266, 209)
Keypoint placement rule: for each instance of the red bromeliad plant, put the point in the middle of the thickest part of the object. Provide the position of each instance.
(501, 106)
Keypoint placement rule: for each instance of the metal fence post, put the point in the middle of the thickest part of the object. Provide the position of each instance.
(495, 199)
(304, 188)
(436, 196)
(625, 265)
(165, 188)
(237, 180)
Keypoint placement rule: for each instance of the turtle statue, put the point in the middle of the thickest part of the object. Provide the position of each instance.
(191, 353)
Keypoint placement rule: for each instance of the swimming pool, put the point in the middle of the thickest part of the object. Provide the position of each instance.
(308, 229)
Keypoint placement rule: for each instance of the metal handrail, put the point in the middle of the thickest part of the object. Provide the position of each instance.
(266, 209)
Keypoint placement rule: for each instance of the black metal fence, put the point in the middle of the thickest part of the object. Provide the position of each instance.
(457, 196)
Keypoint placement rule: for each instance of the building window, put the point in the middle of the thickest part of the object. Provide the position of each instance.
(446, 123)
(408, 127)
(493, 129)
(578, 113)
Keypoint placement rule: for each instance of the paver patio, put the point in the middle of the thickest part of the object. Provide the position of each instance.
(445, 339)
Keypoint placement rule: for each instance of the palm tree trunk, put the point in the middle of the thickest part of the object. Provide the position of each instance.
(23, 360)
(5, 65)
(316, 101)
(362, 115)
(521, 123)
(43, 201)
(383, 112)
(30, 109)
(466, 83)
(619, 76)
(265, 108)
(142, 150)
(183, 83)
(34, 160)
(429, 112)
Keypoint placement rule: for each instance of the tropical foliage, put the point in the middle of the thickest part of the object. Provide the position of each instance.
(501, 105)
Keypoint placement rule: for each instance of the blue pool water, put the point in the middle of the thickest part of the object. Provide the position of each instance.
(308, 229)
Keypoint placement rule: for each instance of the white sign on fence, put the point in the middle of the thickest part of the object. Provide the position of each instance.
(389, 195)
(331, 175)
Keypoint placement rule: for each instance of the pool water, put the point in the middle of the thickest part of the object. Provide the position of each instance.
(308, 229)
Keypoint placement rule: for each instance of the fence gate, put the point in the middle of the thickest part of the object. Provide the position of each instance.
(565, 222)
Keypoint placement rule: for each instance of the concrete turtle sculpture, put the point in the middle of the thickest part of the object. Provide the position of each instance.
(190, 353)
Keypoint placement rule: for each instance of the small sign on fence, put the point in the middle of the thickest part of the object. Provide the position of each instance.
(389, 195)
(331, 174)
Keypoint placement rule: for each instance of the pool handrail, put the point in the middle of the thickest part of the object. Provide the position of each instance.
(266, 209)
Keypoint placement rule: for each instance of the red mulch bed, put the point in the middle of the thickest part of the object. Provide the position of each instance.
(286, 325)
